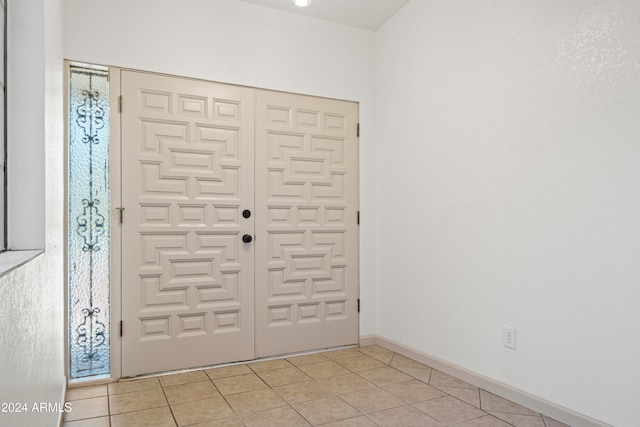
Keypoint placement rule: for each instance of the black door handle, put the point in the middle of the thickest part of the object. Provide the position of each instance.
(246, 213)
(247, 238)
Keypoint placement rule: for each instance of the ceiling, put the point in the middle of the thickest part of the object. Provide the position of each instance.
(367, 14)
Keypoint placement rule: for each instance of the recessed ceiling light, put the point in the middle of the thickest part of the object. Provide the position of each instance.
(301, 3)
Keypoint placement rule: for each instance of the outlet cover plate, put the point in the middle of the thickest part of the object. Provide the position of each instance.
(509, 337)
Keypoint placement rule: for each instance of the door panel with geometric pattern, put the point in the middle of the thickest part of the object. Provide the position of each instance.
(195, 156)
(188, 174)
(306, 223)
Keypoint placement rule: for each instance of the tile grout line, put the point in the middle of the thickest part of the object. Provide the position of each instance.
(223, 396)
(108, 406)
(164, 393)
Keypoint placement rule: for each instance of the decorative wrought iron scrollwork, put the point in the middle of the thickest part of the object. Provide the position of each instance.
(90, 116)
(91, 334)
(91, 225)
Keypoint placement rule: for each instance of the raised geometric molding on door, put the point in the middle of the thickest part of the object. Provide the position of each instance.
(307, 188)
(195, 292)
(188, 170)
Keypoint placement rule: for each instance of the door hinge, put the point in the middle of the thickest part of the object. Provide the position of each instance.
(358, 307)
(120, 103)
(358, 130)
(358, 217)
(121, 212)
(121, 327)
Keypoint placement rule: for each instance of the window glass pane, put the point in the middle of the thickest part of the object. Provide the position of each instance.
(89, 241)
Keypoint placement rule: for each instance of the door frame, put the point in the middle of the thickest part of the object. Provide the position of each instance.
(115, 182)
(115, 191)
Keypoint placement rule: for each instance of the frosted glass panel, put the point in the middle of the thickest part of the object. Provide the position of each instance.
(89, 215)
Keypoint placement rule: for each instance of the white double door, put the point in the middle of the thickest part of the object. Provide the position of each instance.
(240, 236)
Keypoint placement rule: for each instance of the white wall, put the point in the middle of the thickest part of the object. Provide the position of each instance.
(509, 193)
(234, 42)
(32, 367)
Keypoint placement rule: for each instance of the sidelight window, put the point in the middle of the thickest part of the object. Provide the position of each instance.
(88, 220)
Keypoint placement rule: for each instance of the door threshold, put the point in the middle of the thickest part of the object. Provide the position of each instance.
(242, 362)
(90, 381)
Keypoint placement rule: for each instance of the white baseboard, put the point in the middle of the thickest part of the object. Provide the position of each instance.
(550, 409)
(368, 340)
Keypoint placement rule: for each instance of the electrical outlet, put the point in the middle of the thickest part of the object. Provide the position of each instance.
(509, 337)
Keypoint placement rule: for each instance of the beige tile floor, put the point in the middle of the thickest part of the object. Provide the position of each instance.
(366, 386)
